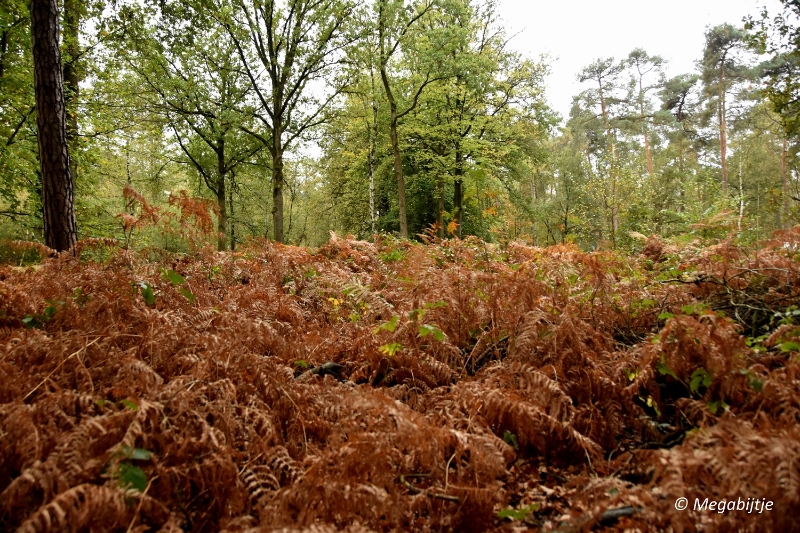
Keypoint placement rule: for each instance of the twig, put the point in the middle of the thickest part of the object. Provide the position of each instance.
(70, 356)
(414, 490)
(447, 470)
(139, 507)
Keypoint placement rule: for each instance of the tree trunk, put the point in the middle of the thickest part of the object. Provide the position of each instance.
(784, 177)
(73, 13)
(230, 212)
(440, 207)
(222, 198)
(723, 137)
(398, 171)
(58, 195)
(647, 154)
(741, 199)
(277, 196)
(458, 192)
(373, 148)
(277, 185)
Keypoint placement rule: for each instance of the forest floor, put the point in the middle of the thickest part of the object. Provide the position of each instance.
(392, 386)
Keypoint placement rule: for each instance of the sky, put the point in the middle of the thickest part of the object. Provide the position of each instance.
(574, 33)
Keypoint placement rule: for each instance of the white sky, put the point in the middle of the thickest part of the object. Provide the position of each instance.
(576, 32)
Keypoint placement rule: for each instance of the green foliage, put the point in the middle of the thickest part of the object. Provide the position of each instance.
(393, 255)
(390, 349)
(663, 368)
(128, 404)
(699, 378)
(40, 319)
(518, 514)
(176, 280)
(147, 292)
(511, 439)
(389, 325)
(429, 329)
(130, 475)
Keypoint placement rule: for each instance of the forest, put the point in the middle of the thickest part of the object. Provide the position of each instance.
(330, 265)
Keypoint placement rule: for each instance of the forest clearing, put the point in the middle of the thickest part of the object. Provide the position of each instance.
(336, 265)
(399, 386)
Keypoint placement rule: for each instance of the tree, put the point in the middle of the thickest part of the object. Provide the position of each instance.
(605, 73)
(191, 79)
(395, 27)
(644, 64)
(60, 228)
(780, 37)
(20, 185)
(722, 69)
(289, 53)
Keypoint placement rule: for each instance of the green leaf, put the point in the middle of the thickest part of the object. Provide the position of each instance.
(129, 404)
(511, 439)
(301, 364)
(518, 514)
(695, 309)
(132, 476)
(147, 293)
(30, 321)
(756, 384)
(435, 305)
(716, 405)
(700, 377)
(187, 294)
(651, 402)
(664, 369)
(665, 316)
(389, 326)
(391, 348)
(173, 277)
(790, 346)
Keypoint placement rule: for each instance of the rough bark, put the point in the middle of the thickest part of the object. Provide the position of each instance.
(277, 182)
(58, 196)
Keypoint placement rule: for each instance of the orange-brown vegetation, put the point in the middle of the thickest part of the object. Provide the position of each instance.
(392, 386)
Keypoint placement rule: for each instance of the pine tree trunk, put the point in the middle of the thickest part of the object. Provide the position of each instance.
(723, 135)
(58, 195)
(648, 155)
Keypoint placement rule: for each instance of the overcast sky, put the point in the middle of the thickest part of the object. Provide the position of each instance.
(576, 32)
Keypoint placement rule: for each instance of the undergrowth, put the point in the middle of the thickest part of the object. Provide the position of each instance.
(391, 386)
